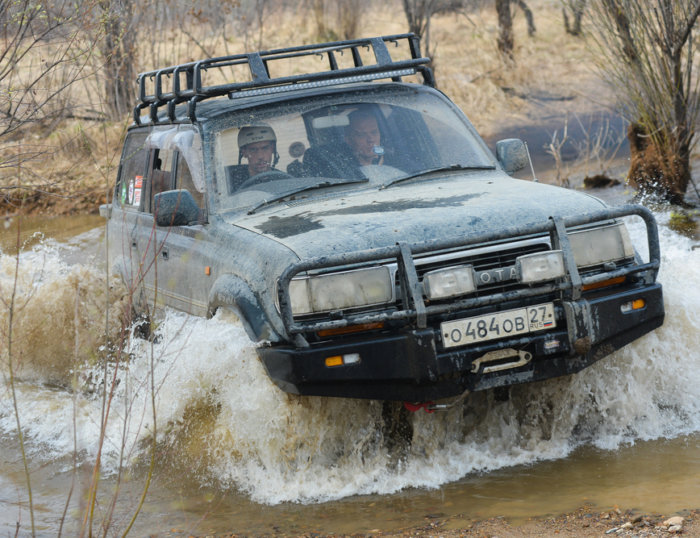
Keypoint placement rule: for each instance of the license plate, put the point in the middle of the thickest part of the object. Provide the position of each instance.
(462, 332)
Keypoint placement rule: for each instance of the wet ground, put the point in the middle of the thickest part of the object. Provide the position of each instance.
(634, 447)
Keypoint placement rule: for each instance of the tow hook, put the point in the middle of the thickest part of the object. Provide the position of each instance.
(431, 407)
(415, 407)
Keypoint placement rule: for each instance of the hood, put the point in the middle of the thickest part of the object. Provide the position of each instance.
(415, 212)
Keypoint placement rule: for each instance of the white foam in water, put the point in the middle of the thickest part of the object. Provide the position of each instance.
(218, 410)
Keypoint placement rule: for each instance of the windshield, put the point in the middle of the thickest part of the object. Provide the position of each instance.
(341, 142)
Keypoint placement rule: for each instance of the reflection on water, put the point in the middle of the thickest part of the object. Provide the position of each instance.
(660, 476)
(236, 454)
(632, 476)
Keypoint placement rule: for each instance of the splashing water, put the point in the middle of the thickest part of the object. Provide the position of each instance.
(217, 413)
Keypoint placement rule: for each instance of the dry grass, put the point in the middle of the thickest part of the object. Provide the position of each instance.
(76, 160)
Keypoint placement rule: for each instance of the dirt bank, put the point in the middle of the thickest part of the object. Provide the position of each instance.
(586, 521)
(53, 202)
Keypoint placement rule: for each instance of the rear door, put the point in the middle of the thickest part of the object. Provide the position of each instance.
(127, 214)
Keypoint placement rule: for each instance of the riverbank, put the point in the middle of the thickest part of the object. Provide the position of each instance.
(587, 521)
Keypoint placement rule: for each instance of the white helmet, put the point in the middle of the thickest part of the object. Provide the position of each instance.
(255, 133)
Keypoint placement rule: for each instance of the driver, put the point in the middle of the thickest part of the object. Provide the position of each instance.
(257, 144)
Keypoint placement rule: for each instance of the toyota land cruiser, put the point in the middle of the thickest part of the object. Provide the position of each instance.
(366, 236)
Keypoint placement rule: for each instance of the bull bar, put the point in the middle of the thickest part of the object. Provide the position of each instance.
(414, 309)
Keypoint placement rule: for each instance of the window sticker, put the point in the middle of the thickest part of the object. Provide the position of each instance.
(138, 185)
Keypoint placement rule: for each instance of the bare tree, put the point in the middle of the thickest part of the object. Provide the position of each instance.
(41, 57)
(419, 13)
(505, 28)
(506, 41)
(349, 15)
(119, 55)
(318, 12)
(576, 8)
(648, 54)
(261, 9)
(336, 19)
(529, 17)
(221, 18)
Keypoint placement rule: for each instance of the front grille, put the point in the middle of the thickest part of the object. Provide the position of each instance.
(482, 263)
(488, 251)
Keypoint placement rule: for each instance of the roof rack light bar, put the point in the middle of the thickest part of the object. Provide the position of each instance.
(317, 84)
(186, 82)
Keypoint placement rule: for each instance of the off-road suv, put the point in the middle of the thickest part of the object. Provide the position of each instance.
(363, 232)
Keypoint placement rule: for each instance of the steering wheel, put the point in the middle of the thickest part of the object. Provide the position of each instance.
(264, 177)
(379, 173)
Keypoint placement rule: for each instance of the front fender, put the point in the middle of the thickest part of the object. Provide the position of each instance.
(232, 292)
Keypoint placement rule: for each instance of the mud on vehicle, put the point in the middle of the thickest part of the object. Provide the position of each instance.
(366, 236)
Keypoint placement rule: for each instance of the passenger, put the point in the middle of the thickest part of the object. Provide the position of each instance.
(363, 136)
(258, 145)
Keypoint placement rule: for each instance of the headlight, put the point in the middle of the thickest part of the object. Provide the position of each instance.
(338, 291)
(449, 282)
(540, 266)
(600, 245)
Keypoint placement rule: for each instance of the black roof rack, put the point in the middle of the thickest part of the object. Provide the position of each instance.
(185, 82)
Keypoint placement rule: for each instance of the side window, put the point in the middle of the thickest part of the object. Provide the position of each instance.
(184, 181)
(161, 178)
(130, 184)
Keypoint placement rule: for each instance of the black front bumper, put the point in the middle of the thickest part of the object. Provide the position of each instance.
(413, 366)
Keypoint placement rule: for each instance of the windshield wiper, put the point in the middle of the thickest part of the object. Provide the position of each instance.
(422, 173)
(297, 190)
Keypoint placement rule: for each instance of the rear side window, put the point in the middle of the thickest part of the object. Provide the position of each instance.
(130, 185)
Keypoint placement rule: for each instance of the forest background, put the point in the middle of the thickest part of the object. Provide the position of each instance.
(537, 68)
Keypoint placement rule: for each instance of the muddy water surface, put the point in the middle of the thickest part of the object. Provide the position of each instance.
(233, 453)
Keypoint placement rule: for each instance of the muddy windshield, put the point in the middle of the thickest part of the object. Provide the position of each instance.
(349, 144)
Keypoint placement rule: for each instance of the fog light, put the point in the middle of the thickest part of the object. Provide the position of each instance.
(449, 282)
(336, 360)
(540, 266)
(351, 358)
(637, 304)
(342, 360)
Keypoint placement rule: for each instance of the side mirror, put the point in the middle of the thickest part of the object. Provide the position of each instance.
(106, 211)
(512, 154)
(175, 208)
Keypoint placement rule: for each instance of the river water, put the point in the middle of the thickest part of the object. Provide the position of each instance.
(235, 454)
